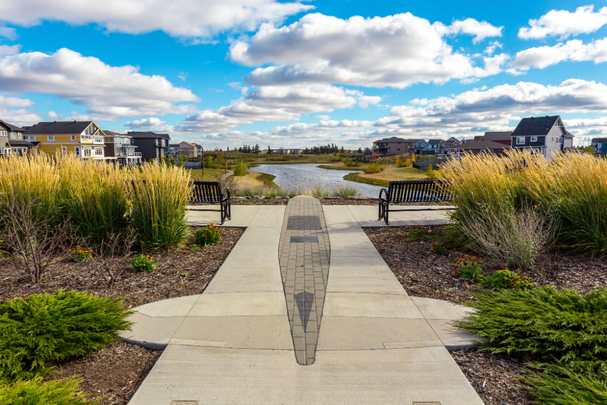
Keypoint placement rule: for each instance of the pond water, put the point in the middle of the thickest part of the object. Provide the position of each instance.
(301, 177)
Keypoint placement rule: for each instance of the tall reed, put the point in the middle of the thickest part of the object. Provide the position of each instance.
(158, 200)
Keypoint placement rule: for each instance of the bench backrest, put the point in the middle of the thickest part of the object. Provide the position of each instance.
(208, 192)
(418, 190)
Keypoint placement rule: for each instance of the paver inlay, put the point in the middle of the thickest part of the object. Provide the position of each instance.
(304, 253)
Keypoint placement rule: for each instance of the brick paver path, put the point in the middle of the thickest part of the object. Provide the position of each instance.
(304, 253)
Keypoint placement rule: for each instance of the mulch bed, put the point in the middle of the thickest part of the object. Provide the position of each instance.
(116, 372)
(424, 273)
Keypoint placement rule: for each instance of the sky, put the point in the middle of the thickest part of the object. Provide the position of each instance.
(304, 73)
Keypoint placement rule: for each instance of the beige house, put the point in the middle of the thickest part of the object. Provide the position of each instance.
(394, 146)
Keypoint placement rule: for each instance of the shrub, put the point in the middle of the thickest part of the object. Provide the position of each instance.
(373, 168)
(240, 169)
(470, 268)
(440, 248)
(560, 385)
(80, 254)
(346, 191)
(407, 163)
(208, 163)
(432, 174)
(418, 233)
(159, 204)
(52, 327)
(209, 236)
(511, 237)
(143, 263)
(36, 392)
(554, 326)
(507, 279)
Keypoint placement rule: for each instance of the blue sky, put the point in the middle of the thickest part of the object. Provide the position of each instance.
(302, 73)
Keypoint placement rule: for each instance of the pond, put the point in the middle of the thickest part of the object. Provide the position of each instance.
(301, 177)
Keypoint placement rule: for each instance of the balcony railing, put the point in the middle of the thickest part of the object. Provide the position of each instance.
(86, 137)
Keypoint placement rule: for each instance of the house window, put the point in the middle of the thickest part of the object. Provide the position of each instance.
(86, 152)
(64, 149)
(77, 150)
(73, 137)
(534, 139)
(13, 135)
(50, 138)
(520, 140)
(19, 135)
(3, 133)
(98, 151)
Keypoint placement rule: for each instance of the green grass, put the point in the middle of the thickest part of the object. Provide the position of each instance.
(375, 182)
(51, 327)
(267, 179)
(209, 174)
(410, 170)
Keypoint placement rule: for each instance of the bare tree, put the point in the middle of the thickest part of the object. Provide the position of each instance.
(110, 257)
(35, 241)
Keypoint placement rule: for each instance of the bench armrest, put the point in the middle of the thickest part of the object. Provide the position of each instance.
(225, 194)
(385, 191)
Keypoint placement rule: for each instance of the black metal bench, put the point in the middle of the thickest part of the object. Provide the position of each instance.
(210, 192)
(405, 191)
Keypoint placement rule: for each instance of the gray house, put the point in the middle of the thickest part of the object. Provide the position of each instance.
(12, 139)
(393, 146)
(600, 145)
(151, 145)
(545, 135)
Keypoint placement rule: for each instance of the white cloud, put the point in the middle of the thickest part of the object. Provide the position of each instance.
(564, 23)
(590, 127)
(7, 32)
(492, 47)
(470, 26)
(394, 51)
(153, 124)
(275, 103)
(9, 49)
(75, 116)
(492, 109)
(14, 102)
(109, 92)
(179, 18)
(574, 50)
(183, 75)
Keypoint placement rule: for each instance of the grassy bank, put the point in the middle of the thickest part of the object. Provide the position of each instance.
(387, 175)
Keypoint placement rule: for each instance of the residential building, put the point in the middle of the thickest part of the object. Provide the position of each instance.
(546, 135)
(421, 147)
(449, 143)
(12, 140)
(499, 137)
(83, 138)
(475, 147)
(433, 147)
(186, 149)
(122, 148)
(393, 146)
(151, 145)
(599, 145)
(285, 151)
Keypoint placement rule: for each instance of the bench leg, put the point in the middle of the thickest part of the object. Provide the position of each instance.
(223, 210)
(386, 212)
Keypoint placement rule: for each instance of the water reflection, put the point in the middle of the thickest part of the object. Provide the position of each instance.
(301, 177)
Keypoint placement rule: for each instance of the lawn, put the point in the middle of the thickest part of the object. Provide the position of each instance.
(387, 175)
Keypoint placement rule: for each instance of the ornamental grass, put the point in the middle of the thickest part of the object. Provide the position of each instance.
(100, 199)
(538, 201)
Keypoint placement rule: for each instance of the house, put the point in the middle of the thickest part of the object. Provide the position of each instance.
(12, 140)
(475, 147)
(283, 151)
(499, 137)
(151, 145)
(600, 145)
(393, 146)
(421, 147)
(449, 143)
(122, 148)
(186, 149)
(83, 138)
(546, 135)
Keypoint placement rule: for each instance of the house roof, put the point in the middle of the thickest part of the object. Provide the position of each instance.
(12, 127)
(113, 133)
(599, 140)
(59, 127)
(497, 136)
(535, 125)
(479, 145)
(13, 142)
(148, 135)
(435, 141)
(393, 139)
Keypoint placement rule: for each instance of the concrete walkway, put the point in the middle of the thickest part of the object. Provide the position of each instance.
(233, 344)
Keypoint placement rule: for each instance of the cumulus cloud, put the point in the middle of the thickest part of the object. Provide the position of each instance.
(179, 18)
(574, 50)
(587, 127)
(275, 103)
(564, 23)
(492, 109)
(394, 51)
(19, 117)
(109, 92)
(153, 124)
(9, 49)
(470, 26)
(75, 116)
(14, 102)
(7, 32)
